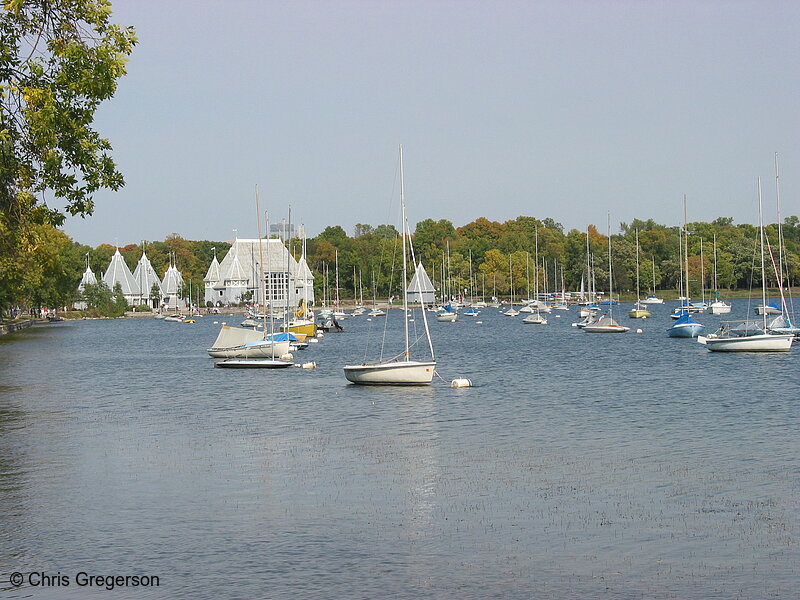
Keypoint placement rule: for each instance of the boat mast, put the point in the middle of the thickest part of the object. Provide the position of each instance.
(686, 250)
(511, 279)
(763, 268)
(610, 278)
(262, 273)
(702, 275)
(637, 267)
(780, 228)
(536, 263)
(288, 269)
(403, 226)
(716, 285)
(528, 273)
(654, 274)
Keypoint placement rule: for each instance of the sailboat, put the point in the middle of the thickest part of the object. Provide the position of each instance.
(745, 337)
(718, 306)
(606, 323)
(638, 311)
(399, 370)
(511, 312)
(246, 348)
(652, 298)
(685, 326)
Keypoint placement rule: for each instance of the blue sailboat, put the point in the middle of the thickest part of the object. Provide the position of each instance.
(685, 327)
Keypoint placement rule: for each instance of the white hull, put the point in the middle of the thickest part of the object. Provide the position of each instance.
(535, 320)
(769, 310)
(246, 363)
(447, 317)
(653, 301)
(252, 350)
(395, 373)
(605, 329)
(751, 343)
(719, 308)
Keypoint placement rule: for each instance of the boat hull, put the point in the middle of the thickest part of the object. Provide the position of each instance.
(689, 330)
(605, 329)
(254, 350)
(450, 317)
(306, 328)
(719, 308)
(395, 373)
(638, 313)
(247, 363)
(751, 343)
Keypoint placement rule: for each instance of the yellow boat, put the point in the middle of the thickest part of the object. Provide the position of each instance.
(637, 312)
(302, 325)
(301, 328)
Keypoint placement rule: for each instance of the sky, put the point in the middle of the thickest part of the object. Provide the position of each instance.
(566, 109)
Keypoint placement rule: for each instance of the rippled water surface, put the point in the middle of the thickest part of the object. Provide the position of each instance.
(580, 465)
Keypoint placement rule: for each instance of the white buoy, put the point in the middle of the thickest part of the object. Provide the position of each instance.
(460, 382)
(216, 322)
(312, 341)
(639, 331)
(224, 323)
(478, 322)
(310, 365)
(287, 356)
(319, 335)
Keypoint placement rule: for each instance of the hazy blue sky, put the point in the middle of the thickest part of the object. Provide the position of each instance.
(551, 109)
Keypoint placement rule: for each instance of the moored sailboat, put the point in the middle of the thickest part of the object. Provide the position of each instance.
(749, 338)
(399, 370)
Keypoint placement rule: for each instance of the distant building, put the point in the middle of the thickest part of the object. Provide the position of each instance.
(421, 287)
(119, 273)
(240, 275)
(146, 278)
(171, 288)
(87, 279)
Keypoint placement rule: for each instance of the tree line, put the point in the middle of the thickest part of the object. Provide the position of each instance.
(482, 256)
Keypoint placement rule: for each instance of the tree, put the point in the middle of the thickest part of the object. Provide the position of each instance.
(59, 59)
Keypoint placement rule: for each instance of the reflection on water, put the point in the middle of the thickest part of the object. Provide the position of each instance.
(580, 466)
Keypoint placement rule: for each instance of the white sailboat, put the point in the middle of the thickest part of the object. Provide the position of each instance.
(653, 298)
(718, 306)
(511, 312)
(745, 337)
(606, 323)
(249, 348)
(638, 311)
(399, 370)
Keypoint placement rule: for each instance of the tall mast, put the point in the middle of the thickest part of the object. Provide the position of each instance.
(536, 262)
(528, 273)
(780, 227)
(716, 285)
(403, 226)
(262, 270)
(288, 268)
(763, 269)
(610, 278)
(686, 248)
(702, 275)
(637, 266)
(588, 266)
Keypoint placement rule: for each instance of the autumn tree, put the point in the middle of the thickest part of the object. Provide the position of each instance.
(59, 59)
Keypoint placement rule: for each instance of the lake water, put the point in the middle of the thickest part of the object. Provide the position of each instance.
(579, 466)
